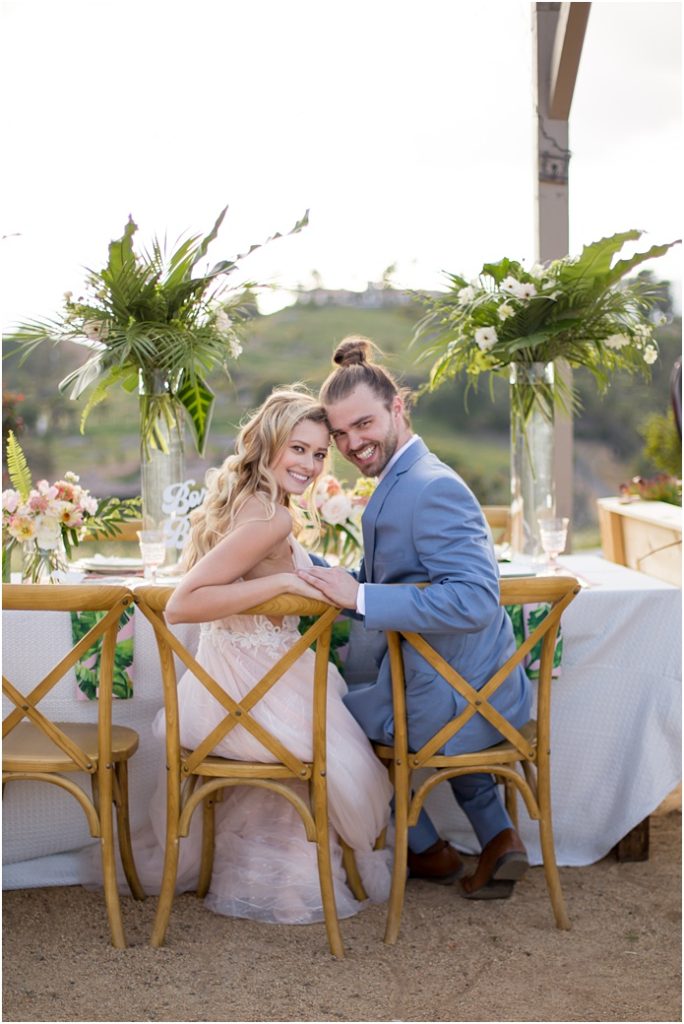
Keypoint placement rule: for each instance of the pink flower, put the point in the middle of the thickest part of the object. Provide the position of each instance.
(21, 528)
(10, 501)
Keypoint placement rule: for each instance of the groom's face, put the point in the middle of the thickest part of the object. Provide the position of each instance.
(365, 431)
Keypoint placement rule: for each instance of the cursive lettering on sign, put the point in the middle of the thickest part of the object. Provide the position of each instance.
(178, 500)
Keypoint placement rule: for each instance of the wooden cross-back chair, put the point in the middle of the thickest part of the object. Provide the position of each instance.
(529, 746)
(500, 522)
(196, 777)
(39, 749)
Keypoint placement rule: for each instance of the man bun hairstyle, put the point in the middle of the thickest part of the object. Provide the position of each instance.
(354, 359)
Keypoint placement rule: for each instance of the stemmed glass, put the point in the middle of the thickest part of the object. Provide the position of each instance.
(152, 550)
(553, 533)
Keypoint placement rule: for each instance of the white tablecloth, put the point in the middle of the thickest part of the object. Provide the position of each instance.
(616, 727)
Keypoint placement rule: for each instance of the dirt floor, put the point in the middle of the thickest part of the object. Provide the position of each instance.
(456, 960)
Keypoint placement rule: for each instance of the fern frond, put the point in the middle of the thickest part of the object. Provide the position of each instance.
(17, 467)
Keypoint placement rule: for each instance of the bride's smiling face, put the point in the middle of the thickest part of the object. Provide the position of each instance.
(303, 457)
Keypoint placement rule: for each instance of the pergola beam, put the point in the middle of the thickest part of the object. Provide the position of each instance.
(567, 50)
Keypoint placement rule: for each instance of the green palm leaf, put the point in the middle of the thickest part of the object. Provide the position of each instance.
(198, 400)
(17, 467)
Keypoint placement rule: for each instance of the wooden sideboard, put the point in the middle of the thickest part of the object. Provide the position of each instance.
(643, 535)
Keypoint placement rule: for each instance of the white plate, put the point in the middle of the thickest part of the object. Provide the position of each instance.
(108, 566)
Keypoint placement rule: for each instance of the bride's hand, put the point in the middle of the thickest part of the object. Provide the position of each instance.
(294, 584)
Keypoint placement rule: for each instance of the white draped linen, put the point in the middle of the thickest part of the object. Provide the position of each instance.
(616, 727)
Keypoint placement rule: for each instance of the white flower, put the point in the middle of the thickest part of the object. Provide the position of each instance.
(617, 341)
(643, 331)
(505, 310)
(336, 509)
(235, 347)
(510, 284)
(94, 330)
(526, 290)
(466, 294)
(650, 354)
(537, 269)
(68, 296)
(89, 504)
(486, 338)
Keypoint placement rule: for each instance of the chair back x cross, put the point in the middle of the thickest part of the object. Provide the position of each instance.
(197, 777)
(529, 746)
(37, 748)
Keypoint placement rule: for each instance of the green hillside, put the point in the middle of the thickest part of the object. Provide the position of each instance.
(297, 344)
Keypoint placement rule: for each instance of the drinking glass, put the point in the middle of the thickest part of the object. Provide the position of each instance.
(553, 533)
(153, 551)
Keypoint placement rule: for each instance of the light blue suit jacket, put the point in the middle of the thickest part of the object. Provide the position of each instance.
(423, 523)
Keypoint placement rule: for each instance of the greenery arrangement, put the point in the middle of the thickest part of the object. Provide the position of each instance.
(148, 313)
(579, 309)
(49, 520)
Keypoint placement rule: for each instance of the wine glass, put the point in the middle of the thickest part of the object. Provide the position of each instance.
(553, 533)
(153, 551)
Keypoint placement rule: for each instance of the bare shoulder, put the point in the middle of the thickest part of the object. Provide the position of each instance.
(254, 513)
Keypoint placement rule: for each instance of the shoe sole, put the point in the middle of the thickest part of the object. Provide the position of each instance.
(441, 880)
(508, 870)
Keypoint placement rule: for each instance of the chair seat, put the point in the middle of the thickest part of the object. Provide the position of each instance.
(28, 749)
(501, 753)
(224, 767)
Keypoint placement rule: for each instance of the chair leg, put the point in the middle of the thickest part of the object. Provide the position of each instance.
(549, 853)
(396, 900)
(171, 854)
(207, 855)
(511, 802)
(109, 884)
(124, 829)
(166, 893)
(353, 876)
(319, 804)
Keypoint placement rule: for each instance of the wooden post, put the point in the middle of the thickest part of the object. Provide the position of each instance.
(558, 34)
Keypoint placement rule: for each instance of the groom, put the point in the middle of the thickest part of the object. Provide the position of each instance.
(423, 522)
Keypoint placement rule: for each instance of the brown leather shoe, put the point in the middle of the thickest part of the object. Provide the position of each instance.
(439, 863)
(502, 863)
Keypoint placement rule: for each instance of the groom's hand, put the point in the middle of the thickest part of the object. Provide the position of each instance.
(336, 584)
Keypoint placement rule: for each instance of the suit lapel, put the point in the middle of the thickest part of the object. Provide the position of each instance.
(374, 507)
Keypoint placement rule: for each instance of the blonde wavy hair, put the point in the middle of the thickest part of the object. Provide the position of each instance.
(247, 473)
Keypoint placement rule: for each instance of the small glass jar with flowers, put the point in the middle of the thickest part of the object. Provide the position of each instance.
(47, 521)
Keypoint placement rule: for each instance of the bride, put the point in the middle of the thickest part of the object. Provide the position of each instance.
(241, 552)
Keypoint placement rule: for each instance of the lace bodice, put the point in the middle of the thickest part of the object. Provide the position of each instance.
(251, 631)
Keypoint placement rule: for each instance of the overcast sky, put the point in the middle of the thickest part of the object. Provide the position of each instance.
(405, 127)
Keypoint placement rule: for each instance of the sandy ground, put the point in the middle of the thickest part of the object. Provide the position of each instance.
(456, 960)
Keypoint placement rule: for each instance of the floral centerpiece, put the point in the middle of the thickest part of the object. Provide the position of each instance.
(50, 520)
(153, 324)
(517, 322)
(336, 528)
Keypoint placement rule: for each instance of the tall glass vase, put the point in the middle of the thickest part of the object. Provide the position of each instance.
(533, 491)
(162, 460)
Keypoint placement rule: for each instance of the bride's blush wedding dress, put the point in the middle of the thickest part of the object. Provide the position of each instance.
(264, 867)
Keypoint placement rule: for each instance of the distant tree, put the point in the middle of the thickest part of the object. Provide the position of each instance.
(663, 444)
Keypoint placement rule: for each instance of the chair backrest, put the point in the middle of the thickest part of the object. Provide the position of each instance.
(152, 601)
(127, 533)
(111, 600)
(558, 591)
(499, 521)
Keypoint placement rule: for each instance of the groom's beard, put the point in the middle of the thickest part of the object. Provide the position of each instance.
(384, 450)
